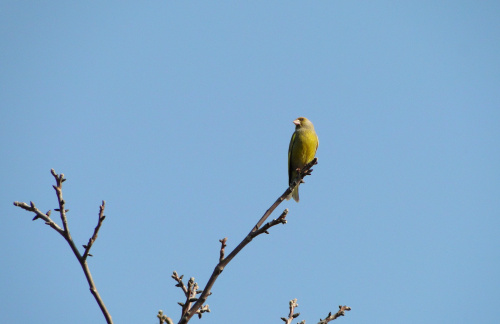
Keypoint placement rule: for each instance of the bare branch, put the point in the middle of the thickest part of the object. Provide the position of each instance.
(203, 309)
(291, 315)
(222, 248)
(190, 293)
(256, 230)
(59, 180)
(96, 230)
(331, 317)
(306, 170)
(39, 214)
(163, 318)
(64, 231)
(180, 284)
(279, 220)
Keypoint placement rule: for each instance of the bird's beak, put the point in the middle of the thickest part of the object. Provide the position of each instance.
(296, 122)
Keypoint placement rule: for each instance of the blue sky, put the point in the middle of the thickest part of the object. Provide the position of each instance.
(179, 114)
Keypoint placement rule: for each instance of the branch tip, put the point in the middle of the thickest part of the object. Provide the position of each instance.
(65, 233)
(259, 228)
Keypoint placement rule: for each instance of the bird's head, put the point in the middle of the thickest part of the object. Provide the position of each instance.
(303, 122)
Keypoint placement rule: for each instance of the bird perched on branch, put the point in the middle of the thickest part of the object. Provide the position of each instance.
(302, 150)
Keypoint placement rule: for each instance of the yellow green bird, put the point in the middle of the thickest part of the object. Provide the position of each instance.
(302, 150)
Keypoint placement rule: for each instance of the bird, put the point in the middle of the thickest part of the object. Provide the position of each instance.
(301, 151)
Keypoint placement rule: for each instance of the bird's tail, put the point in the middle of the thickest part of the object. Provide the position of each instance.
(294, 194)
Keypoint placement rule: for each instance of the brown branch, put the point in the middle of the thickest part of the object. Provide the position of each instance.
(331, 317)
(59, 180)
(292, 304)
(222, 248)
(64, 231)
(202, 309)
(164, 318)
(191, 295)
(274, 222)
(96, 230)
(291, 315)
(306, 170)
(190, 291)
(39, 214)
(256, 230)
(180, 284)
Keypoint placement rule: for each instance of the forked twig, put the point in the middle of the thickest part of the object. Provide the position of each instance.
(164, 318)
(222, 248)
(64, 231)
(96, 230)
(291, 315)
(331, 317)
(198, 307)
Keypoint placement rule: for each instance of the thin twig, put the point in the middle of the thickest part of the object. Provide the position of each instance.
(164, 318)
(222, 248)
(187, 291)
(64, 231)
(190, 293)
(180, 283)
(59, 180)
(331, 317)
(39, 214)
(96, 230)
(268, 225)
(256, 230)
(291, 315)
(306, 170)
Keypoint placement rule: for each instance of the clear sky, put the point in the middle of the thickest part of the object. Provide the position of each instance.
(179, 115)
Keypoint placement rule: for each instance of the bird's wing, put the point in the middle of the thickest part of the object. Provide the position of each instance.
(290, 149)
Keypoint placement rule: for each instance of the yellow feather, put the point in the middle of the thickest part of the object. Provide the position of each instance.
(302, 149)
